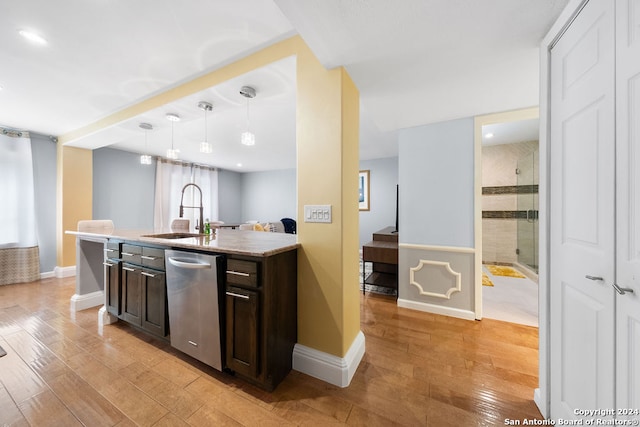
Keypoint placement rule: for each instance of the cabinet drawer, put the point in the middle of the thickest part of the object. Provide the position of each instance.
(153, 257)
(112, 250)
(131, 253)
(242, 272)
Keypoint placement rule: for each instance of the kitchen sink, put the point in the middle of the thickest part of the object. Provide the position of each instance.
(173, 235)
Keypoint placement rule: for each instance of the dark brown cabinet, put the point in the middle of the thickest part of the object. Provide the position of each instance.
(132, 294)
(154, 302)
(242, 331)
(257, 302)
(143, 297)
(261, 317)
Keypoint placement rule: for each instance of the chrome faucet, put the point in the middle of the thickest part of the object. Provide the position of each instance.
(199, 227)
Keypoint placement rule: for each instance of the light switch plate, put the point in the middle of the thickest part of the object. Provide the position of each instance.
(317, 213)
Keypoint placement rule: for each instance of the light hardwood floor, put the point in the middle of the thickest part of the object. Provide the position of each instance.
(419, 369)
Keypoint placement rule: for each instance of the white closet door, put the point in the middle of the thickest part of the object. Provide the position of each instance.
(628, 208)
(582, 189)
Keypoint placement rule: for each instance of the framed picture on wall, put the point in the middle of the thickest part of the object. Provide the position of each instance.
(363, 190)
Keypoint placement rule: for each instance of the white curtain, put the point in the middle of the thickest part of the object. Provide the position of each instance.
(17, 201)
(19, 255)
(171, 177)
(207, 179)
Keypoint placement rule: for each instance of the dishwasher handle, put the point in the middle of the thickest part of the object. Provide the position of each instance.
(189, 263)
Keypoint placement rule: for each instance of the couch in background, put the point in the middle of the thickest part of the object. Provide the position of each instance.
(285, 225)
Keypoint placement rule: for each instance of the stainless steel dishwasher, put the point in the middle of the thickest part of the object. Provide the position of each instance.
(192, 296)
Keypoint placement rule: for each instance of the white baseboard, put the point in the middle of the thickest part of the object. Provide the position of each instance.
(47, 275)
(61, 272)
(105, 318)
(540, 403)
(437, 309)
(329, 368)
(81, 302)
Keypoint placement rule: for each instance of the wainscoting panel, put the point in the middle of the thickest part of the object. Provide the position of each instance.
(437, 279)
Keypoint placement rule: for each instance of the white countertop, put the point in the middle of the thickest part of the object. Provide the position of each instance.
(252, 243)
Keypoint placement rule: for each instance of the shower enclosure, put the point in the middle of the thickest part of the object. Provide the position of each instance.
(527, 200)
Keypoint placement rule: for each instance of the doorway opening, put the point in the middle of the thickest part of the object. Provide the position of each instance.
(509, 200)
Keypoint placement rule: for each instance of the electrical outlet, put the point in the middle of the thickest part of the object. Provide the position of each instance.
(317, 213)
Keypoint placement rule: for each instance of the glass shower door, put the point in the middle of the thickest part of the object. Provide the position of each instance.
(527, 200)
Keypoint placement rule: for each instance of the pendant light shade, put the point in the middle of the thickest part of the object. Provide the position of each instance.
(247, 137)
(145, 159)
(172, 153)
(205, 146)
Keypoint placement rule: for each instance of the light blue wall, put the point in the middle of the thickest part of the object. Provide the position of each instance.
(436, 174)
(229, 189)
(383, 178)
(269, 196)
(123, 189)
(44, 155)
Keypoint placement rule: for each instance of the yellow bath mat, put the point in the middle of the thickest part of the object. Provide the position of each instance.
(501, 270)
(486, 281)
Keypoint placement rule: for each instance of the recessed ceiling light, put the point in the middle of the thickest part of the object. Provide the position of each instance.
(488, 135)
(239, 165)
(32, 37)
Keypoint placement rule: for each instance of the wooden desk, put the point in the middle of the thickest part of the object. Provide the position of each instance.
(382, 251)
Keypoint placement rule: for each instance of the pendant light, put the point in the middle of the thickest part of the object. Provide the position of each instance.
(247, 137)
(171, 152)
(205, 147)
(145, 159)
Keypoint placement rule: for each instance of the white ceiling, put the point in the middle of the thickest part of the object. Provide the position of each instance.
(414, 62)
(511, 132)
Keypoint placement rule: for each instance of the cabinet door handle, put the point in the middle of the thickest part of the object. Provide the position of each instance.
(127, 254)
(238, 273)
(620, 290)
(109, 250)
(152, 258)
(233, 294)
(596, 278)
(144, 273)
(128, 268)
(108, 264)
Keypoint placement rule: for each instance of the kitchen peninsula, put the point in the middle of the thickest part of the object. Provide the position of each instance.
(257, 290)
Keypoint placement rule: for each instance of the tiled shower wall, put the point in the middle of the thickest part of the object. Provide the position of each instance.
(499, 226)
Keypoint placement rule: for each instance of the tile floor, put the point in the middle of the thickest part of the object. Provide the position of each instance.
(510, 299)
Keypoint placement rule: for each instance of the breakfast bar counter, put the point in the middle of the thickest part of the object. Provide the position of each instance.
(241, 242)
(228, 299)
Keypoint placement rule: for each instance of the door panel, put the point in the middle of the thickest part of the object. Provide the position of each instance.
(578, 355)
(582, 187)
(131, 294)
(628, 203)
(581, 173)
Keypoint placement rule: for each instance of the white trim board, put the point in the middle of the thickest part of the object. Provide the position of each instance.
(437, 309)
(458, 249)
(329, 368)
(61, 272)
(82, 302)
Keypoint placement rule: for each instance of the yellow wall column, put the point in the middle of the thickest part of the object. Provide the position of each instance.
(327, 131)
(75, 198)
